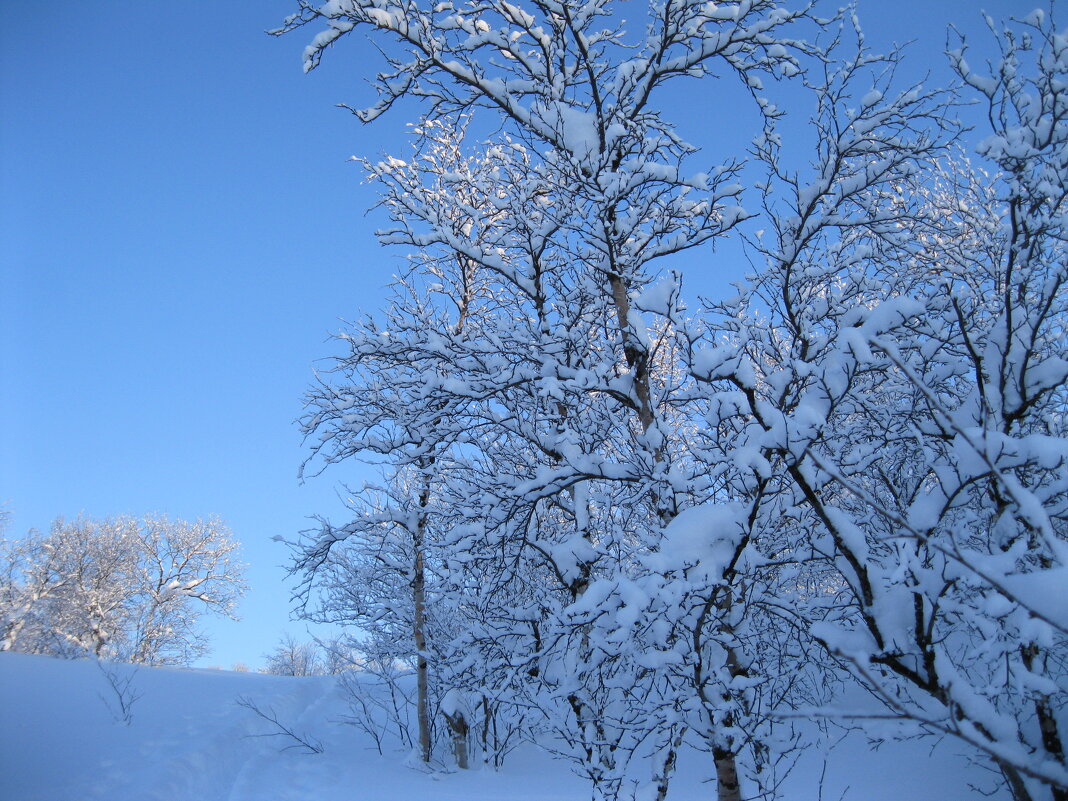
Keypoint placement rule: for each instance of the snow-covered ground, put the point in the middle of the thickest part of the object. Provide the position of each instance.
(60, 740)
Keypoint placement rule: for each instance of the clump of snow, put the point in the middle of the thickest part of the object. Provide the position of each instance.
(701, 540)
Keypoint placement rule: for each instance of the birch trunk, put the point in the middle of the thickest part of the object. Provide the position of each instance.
(727, 783)
(422, 703)
(458, 727)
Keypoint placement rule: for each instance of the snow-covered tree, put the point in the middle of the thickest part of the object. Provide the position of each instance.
(652, 525)
(118, 588)
(379, 399)
(898, 364)
(292, 657)
(597, 194)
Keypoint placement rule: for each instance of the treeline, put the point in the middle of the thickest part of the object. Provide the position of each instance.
(615, 520)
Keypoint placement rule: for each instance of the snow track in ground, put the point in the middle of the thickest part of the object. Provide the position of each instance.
(189, 739)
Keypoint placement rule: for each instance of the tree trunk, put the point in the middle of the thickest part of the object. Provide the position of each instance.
(723, 754)
(637, 358)
(12, 633)
(1047, 721)
(726, 759)
(1015, 782)
(727, 783)
(487, 724)
(662, 777)
(422, 702)
(459, 728)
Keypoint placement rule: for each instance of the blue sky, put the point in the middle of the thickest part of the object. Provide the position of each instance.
(179, 234)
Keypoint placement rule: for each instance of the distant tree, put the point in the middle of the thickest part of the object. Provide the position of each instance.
(293, 658)
(118, 588)
(338, 655)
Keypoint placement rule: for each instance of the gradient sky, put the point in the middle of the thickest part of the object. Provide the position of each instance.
(179, 235)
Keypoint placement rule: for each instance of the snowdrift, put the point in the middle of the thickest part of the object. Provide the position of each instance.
(63, 738)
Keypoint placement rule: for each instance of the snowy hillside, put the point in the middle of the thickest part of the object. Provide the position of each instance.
(60, 741)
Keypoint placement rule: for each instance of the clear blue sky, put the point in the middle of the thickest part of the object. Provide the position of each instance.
(179, 234)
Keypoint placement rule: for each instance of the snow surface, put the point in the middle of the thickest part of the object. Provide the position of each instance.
(59, 741)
